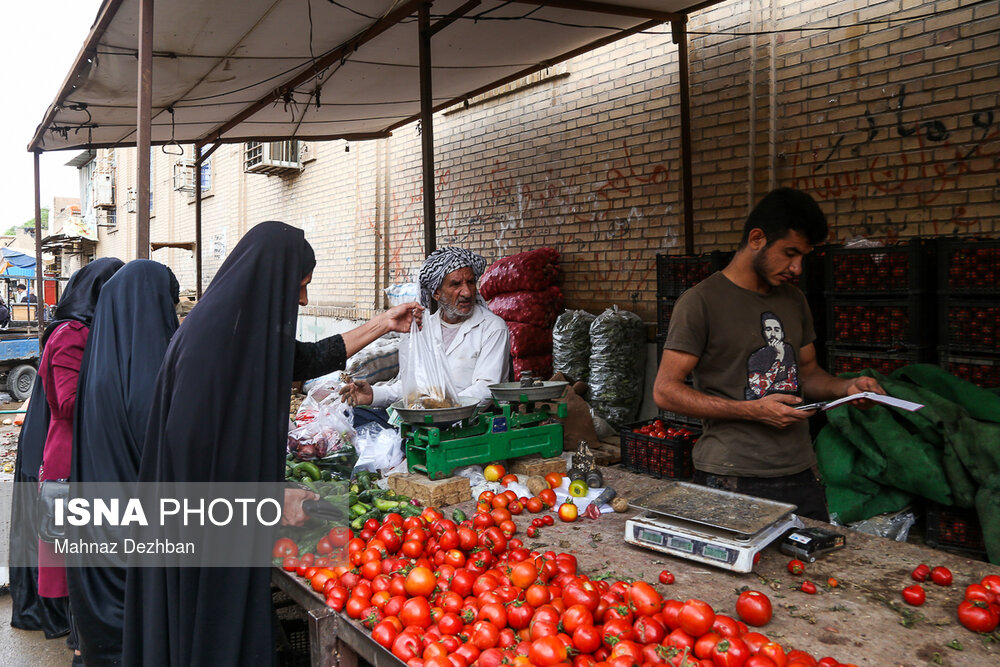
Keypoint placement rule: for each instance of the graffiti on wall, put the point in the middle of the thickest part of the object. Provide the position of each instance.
(933, 157)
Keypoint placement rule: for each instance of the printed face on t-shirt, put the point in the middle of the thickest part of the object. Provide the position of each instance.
(772, 368)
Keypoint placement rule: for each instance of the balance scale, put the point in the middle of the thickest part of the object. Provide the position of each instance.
(711, 526)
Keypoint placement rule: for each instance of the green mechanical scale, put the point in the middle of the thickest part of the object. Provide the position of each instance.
(510, 426)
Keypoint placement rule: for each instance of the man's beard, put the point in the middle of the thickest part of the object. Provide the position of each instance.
(450, 311)
(761, 268)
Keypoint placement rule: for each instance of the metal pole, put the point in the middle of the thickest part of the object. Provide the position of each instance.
(680, 39)
(143, 129)
(40, 285)
(197, 219)
(427, 127)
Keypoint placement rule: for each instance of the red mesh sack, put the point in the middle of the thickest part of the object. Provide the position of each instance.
(538, 308)
(531, 271)
(540, 366)
(527, 340)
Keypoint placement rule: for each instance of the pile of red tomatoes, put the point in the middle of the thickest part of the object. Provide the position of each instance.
(437, 593)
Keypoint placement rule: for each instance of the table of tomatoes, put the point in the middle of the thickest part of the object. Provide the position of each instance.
(435, 592)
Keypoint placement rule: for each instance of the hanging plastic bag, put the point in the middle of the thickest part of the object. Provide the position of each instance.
(329, 433)
(379, 449)
(425, 380)
(617, 365)
(571, 345)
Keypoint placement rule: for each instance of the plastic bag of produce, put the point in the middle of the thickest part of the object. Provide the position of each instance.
(617, 365)
(540, 366)
(537, 308)
(378, 448)
(530, 271)
(425, 380)
(527, 340)
(571, 345)
(328, 433)
(401, 293)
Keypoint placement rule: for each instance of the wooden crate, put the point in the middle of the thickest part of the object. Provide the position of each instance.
(431, 493)
(536, 465)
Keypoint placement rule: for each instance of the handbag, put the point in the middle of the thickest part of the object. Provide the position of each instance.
(51, 490)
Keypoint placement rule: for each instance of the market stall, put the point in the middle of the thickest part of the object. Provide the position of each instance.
(857, 614)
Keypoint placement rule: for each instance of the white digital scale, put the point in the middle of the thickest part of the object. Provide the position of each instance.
(711, 526)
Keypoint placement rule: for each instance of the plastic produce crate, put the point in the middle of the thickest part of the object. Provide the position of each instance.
(676, 273)
(684, 420)
(848, 360)
(969, 267)
(664, 309)
(660, 457)
(982, 371)
(899, 269)
(969, 325)
(893, 323)
(954, 528)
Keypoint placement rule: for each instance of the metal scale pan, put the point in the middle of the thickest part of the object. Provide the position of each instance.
(715, 508)
(426, 416)
(513, 391)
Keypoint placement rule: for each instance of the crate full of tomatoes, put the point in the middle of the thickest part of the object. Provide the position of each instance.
(658, 447)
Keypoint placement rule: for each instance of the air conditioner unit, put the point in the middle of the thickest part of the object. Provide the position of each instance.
(184, 175)
(271, 157)
(104, 190)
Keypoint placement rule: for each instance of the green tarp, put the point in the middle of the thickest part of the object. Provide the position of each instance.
(879, 460)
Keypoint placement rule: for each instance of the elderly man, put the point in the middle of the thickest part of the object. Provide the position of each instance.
(475, 342)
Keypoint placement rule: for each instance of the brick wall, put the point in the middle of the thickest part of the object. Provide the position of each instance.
(894, 126)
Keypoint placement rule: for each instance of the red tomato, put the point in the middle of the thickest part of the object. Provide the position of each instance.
(978, 616)
(415, 612)
(534, 505)
(754, 608)
(548, 520)
(289, 563)
(773, 651)
(649, 630)
(808, 587)
(666, 577)
(914, 595)
(795, 566)
(696, 617)
(554, 479)
(547, 651)
(548, 497)
(730, 652)
(973, 592)
(420, 582)
(284, 546)
(645, 599)
(568, 512)
(920, 573)
(941, 576)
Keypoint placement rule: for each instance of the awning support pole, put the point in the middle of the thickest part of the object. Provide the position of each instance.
(427, 127)
(143, 126)
(680, 39)
(40, 285)
(197, 218)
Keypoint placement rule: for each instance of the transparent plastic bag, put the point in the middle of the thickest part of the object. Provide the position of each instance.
(617, 365)
(424, 379)
(894, 525)
(327, 433)
(378, 448)
(571, 345)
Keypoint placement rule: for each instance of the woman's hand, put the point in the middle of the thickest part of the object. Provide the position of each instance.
(398, 318)
(292, 513)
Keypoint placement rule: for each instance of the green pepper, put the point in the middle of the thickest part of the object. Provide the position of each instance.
(458, 516)
(309, 468)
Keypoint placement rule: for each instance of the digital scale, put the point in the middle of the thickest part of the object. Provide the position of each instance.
(711, 526)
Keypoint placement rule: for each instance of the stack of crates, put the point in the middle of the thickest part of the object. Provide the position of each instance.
(675, 274)
(879, 307)
(969, 310)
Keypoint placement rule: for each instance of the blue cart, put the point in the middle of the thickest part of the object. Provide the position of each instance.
(18, 364)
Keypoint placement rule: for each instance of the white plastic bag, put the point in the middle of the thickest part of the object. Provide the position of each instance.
(425, 380)
(329, 432)
(378, 448)
(401, 293)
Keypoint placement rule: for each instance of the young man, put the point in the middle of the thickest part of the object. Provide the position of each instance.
(746, 335)
(23, 296)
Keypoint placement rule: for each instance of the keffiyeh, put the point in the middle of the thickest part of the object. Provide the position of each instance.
(440, 263)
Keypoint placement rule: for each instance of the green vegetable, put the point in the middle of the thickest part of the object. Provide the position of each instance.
(617, 365)
(357, 509)
(308, 468)
(384, 505)
(408, 510)
(359, 522)
(458, 516)
(571, 344)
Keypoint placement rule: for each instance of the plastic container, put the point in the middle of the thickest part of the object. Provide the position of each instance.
(969, 325)
(982, 371)
(659, 457)
(849, 360)
(880, 323)
(675, 273)
(968, 266)
(664, 309)
(898, 269)
(954, 528)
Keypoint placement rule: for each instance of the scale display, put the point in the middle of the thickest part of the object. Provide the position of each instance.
(683, 545)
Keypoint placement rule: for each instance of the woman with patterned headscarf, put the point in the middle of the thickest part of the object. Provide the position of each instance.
(475, 342)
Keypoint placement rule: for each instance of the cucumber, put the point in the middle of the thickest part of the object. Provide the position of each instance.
(309, 468)
(458, 516)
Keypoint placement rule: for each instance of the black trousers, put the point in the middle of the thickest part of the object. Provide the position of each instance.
(804, 490)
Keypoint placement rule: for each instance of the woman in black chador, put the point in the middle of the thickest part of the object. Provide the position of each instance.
(132, 326)
(220, 414)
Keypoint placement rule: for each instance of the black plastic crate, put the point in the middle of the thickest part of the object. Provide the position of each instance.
(897, 269)
(660, 457)
(957, 528)
(968, 266)
(982, 371)
(684, 420)
(676, 273)
(879, 323)
(664, 309)
(969, 325)
(850, 360)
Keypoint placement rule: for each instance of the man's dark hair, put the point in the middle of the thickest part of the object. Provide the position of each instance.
(784, 210)
(20, 286)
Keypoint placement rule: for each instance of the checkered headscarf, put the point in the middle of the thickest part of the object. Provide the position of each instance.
(440, 263)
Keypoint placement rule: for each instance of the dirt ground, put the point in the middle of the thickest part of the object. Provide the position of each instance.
(8, 442)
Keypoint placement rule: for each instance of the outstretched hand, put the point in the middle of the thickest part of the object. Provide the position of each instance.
(399, 318)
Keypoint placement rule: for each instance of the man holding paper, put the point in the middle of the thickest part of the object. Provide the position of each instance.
(746, 335)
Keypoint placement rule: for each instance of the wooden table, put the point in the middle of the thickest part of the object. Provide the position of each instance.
(862, 621)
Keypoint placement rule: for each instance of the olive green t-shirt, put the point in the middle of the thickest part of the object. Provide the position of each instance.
(747, 346)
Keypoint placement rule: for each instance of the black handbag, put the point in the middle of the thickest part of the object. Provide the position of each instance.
(50, 491)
